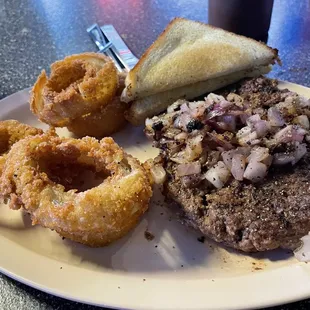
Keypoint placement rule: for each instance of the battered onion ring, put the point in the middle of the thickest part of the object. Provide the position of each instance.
(12, 131)
(104, 122)
(94, 217)
(78, 85)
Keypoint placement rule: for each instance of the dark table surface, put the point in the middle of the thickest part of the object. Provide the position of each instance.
(35, 33)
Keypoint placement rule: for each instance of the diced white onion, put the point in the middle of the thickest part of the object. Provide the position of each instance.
(260, 154)
(289, 134)
(282, 159)
(255, 171)
(227, 157)
(184, 108)
(213, 98)
(197, 108)
(238, 166)
(159, 174)
(227, 122)
(218, 175)
(275, 118)
(261, 128)
(188, 169)
(175, 106)
(252, 120)
(193, 148)
(245, 136)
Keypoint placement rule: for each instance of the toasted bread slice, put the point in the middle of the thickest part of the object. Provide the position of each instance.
(188, 52)
(152, 105)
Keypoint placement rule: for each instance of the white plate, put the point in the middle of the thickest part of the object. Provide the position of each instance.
(173, 271)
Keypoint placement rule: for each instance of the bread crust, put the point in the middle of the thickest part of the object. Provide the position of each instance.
(132, 91)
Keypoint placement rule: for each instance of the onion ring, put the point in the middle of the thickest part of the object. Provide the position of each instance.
(78, 85)
(94, 217)
(12, 131)
(104, 122)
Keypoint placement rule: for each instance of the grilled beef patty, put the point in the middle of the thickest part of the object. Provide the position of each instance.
(248, 216)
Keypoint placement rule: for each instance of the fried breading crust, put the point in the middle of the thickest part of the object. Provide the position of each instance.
(104, 122)
(94, 217)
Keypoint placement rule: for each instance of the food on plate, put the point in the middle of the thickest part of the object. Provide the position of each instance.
(82, 91)
(190, 59)
(48, 176)
(302, 253)
(12, 131)
(107, 120)
(100, 123)
(237, 164)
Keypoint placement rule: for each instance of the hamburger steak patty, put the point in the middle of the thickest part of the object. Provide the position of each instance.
(249, 214)
(250, 217)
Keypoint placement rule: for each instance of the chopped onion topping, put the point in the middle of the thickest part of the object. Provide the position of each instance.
(227, 157)
(289, 134)
(182, 121)
(175, 106)
(193, 148)
(217, 111)
(220, 141)
(218, 175)
(159, 174)
(243, 136)
(179, 158)
(238, 166)
(197, 108)
(219, 105)
(213, 98)
(275, 118)
(244, 117)
(261, 128)
(260, 154)
(252, 120)
(244, 150)
(282, 158)
(291, 157)
(188, 169)
(257, 125)
(255, 171)
(185, 108)
(227, 122)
